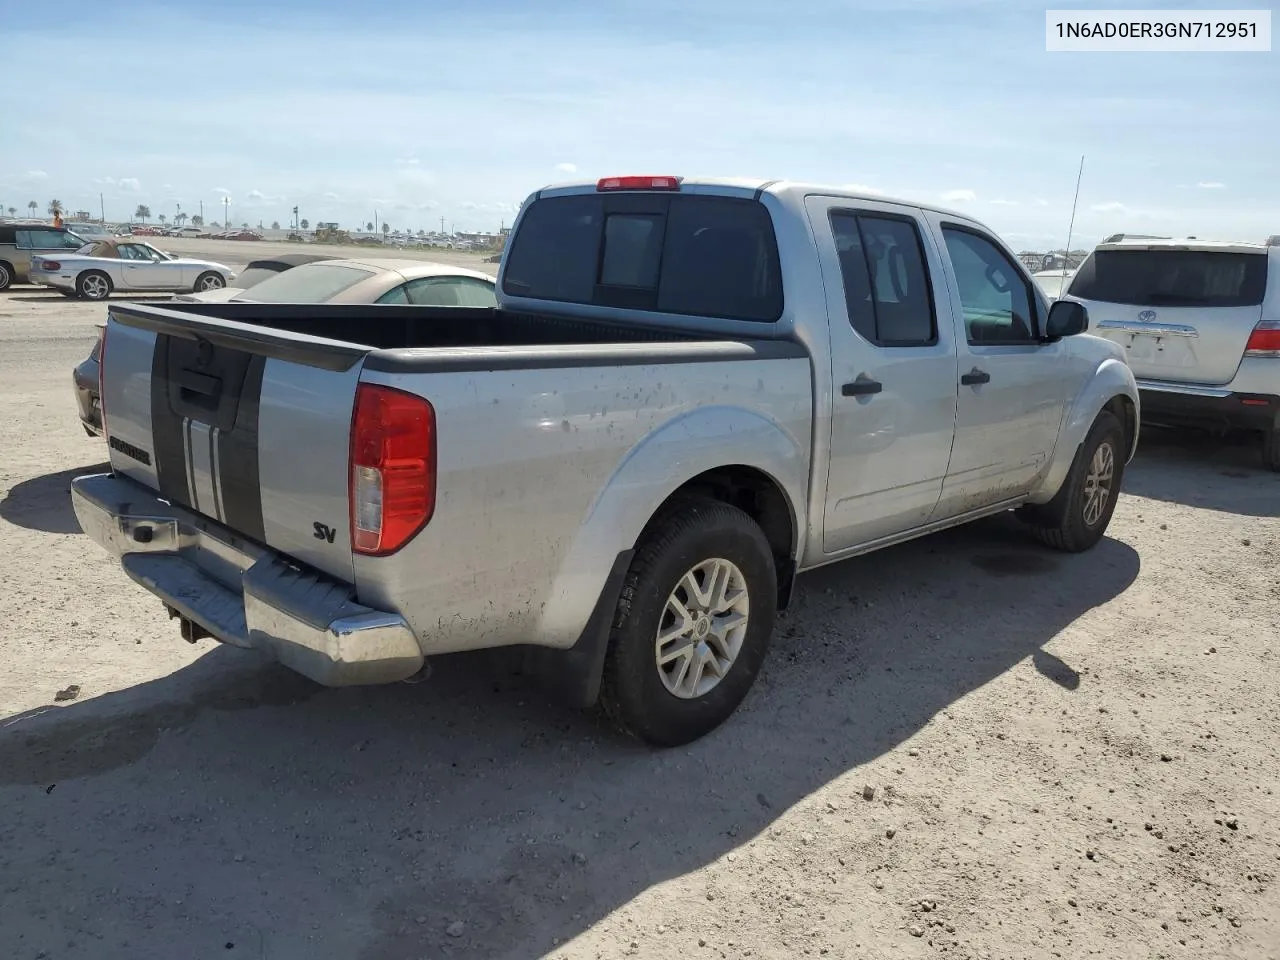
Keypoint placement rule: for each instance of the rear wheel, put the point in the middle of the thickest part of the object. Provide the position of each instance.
(1271, 450)
(6, 275)
(93, 285)
(209, 281)
(692, 625)
(1077, 517)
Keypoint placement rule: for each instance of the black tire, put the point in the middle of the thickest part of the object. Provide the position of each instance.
(1061, 522)
(633, 692)
(83, 292)
(1271, 450)
(6, 275)
(204, 278)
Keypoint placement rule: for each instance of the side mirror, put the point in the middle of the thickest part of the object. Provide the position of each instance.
(1066, 319)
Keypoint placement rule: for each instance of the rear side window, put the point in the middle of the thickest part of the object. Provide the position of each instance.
(886, 283)
(8, 235)
(689, 255)
(309, 283)
(1172, 278)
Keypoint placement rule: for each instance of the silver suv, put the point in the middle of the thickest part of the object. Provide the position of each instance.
(1200, 325)
(18, 241)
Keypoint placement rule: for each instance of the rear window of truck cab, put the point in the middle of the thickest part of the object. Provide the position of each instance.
(692, 255)
(1172, 278)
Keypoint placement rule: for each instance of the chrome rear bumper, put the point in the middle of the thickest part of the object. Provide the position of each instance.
(242, 593)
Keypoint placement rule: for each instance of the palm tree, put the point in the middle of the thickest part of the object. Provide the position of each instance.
(369, 227)
(143, 212)
(197, 221)
(305, 224)
(180, 218)
(13, 211)
(162, 218)
(275, 224)
(56, 209)
(32, 207)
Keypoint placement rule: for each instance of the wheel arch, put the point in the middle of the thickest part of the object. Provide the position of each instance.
(1111, 387)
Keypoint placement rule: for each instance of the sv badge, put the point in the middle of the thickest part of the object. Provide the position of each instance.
(324, 532)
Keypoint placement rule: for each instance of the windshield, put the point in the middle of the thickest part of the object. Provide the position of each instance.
(309, 283)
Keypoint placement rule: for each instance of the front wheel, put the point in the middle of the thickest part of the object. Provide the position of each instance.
(209, 281)
(6, 276)
(1077, 517)
(693, 624)
(93, 285)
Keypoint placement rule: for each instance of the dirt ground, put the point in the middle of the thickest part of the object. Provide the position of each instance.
(965, 747)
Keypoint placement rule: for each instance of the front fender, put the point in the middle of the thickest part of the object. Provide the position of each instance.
(1110, 379)
(664, 460)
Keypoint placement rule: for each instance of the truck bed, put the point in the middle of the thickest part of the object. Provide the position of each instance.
(392, 326)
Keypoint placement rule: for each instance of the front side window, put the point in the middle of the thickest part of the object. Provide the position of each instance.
(450, 292)
(886, 282)
(134, 251)
(998, 304)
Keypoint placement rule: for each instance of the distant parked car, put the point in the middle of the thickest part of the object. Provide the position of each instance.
(1054, 283)
(1199, 322)
(253, 274)
(376, 280)
(21, 241)
(187, 231)
(96, 269)
(85, 374)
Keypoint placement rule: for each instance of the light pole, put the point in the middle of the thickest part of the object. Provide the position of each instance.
(226, 213)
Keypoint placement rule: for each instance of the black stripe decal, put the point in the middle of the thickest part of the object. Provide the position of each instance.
(238, 460)
(167, 431)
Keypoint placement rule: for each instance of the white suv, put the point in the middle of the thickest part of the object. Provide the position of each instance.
(1200, 324)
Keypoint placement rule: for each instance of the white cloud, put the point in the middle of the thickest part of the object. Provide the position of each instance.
(957, 196)
(407, 161)
(130, 184)
(469, 205)
(567, 167)
(428, 205)
(332, 196)
(1112, 206)
(1004, 203)
(1210, 185)
(222, 191)
(35, 175)
(1040, 202)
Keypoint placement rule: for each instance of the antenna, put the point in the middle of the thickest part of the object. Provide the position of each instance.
(1072, 226)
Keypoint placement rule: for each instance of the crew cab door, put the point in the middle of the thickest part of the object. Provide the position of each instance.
(1012, 386)
(893, 367)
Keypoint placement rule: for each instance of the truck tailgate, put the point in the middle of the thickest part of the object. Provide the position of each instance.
(236, 424)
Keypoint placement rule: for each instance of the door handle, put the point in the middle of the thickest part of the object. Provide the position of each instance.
(975, 377)
(862, 387)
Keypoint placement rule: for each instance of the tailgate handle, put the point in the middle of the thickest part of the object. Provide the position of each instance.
(192, 381)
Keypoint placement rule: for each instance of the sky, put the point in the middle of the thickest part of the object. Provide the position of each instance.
(429, 109)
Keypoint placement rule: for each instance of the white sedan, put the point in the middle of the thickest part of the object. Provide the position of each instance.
(125, 265)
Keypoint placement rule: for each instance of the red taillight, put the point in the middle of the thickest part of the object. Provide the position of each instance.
(1265, 340)
(639, 183)
(101, 351)
(393, 468)
(50, 265)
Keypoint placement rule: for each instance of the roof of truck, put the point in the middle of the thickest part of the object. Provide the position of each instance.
(754, 185)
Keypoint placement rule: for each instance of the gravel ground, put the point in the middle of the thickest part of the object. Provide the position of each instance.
(966, 747)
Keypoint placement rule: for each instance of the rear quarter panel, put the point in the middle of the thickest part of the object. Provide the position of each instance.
(545, 475)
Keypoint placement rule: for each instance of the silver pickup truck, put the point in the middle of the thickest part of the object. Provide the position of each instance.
(688, 393)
